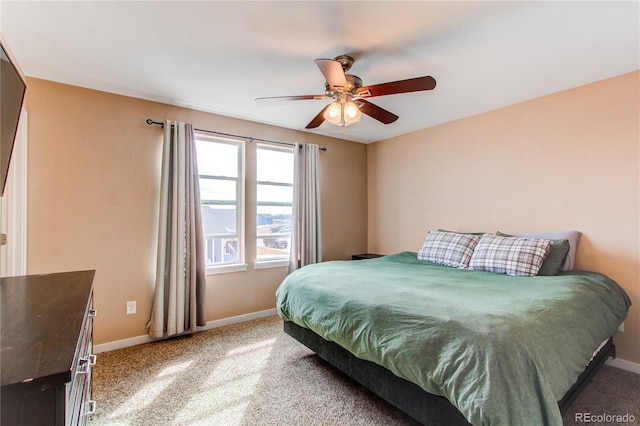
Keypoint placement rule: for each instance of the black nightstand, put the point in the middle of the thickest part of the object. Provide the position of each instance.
(365, 256)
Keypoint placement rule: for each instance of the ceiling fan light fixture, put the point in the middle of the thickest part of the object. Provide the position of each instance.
(352, 113)
(342, 113)
(333, 114)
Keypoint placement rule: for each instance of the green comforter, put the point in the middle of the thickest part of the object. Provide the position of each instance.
(502, 349)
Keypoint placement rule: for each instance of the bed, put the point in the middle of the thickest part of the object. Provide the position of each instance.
(451, 345)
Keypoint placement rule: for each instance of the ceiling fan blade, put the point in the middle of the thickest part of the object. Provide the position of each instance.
(291, 98)
(318, 119)
(401, 86)
(333, 73)
(374, 111)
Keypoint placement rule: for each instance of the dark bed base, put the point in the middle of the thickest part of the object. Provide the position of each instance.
(427, 408)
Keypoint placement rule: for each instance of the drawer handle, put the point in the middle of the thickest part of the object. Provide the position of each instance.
(93, 313)
(85, 364)
(92, 408)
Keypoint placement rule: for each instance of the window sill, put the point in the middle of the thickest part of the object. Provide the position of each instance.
(225, 269)
(266, 264)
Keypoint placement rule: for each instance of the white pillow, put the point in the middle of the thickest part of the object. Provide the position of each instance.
(448, 248)
(510, 255)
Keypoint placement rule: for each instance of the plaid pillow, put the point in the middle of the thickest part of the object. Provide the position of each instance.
(511, 256)
(448, 248)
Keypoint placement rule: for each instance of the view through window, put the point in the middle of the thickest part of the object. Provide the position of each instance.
(220, 171)
(274, 202)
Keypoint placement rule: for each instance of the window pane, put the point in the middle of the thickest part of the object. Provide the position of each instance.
(273, 193)
(217, 190)
(219, 220)
(217, 159)
(274, 222)
(275, 165)
(221, 250)
(220, 169)
(274, 232)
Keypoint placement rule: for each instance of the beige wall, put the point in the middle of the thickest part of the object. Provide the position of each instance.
(566, 161)
(570, 160)
(93, 172)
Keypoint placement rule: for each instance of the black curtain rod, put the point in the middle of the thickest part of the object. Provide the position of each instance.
(249, 138)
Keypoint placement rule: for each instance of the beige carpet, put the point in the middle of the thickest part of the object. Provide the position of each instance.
(254, 374)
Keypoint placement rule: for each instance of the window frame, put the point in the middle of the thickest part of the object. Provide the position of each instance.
(240, 204)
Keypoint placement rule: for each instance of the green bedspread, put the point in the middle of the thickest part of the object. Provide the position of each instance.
(502, 349)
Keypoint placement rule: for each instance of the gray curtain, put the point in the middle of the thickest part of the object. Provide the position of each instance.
(178, 304)
(306, 244)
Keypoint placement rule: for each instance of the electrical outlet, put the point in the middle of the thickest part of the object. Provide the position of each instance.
(621, 328)
(131, 307)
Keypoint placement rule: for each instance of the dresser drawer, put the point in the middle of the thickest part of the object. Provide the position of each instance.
(78, 391)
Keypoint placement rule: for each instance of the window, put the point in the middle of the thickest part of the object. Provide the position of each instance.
(274, 202)
(220, 168)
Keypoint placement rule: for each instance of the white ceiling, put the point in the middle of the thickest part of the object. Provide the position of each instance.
(219, 56)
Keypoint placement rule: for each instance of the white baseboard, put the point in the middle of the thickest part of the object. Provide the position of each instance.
(624, 365)
(119, 344)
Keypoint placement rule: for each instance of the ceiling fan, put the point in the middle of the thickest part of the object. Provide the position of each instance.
(349, 94)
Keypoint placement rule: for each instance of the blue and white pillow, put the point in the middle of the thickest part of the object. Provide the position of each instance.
(448, 248)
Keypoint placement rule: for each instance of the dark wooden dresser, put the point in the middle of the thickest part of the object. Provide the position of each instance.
(46, 349)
